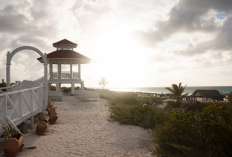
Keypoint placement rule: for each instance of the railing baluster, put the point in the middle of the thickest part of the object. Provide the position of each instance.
(32, 107)
(4, 115)
(20, 104)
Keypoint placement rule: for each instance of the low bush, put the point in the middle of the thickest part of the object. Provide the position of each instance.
(124, 98)
(195, 106)
(172, 104)
(193, 134)
(143, 116)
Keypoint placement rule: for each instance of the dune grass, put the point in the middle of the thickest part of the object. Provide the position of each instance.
(181, 129)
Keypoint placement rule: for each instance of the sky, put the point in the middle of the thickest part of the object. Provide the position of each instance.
(132, 43)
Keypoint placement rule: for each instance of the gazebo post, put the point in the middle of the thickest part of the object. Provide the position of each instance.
(79, 71)
(51, 72)
(59, 76)
(71, 71)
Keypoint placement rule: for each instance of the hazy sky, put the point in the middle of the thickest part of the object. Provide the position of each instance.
(132, 43)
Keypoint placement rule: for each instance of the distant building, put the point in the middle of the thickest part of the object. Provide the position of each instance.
(207, 95)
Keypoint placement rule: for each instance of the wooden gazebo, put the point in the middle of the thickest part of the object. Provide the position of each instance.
(64, 54)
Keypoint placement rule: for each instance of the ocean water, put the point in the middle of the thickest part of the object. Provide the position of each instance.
(190, 90)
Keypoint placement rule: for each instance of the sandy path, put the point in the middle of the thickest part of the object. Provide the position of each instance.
(83, 130)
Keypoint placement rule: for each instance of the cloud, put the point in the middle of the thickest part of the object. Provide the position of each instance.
(186, 16)
(221, 42)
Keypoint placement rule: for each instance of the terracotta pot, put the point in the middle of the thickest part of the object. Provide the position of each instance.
(13, 144)
(41, 127)
(52, 118)
(21, 148)
(10, 154)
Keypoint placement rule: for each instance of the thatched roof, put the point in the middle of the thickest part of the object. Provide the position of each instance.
(213, 94)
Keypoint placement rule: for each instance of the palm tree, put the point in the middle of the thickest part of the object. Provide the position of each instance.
(103, 82)
(177, 91)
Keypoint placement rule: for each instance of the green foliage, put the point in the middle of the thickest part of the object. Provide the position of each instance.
(158, 101)
(193, 134)
(144, 116)
(119, 97)
(102, 82)
(42, 117)
(52, 87)
(9, 131)
(173, 104)
(3, 84)
(124, 99)
(195, 106)
(177, 91)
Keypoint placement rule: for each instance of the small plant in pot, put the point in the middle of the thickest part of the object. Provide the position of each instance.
(14, 142)
(51, 110)
(49, 104)
(42, 125)
(53, 117)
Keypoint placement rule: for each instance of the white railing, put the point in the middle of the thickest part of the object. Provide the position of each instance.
(64, 75)
(21, 105)
(20, 85)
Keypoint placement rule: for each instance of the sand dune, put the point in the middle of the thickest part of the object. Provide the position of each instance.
(83, 130)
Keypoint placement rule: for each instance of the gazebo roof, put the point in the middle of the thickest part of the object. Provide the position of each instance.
(65, 57)
(65, 42)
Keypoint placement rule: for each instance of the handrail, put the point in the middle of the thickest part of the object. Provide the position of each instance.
(23, 90)
(22, 103)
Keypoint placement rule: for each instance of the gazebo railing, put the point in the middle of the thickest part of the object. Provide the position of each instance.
(64, 75)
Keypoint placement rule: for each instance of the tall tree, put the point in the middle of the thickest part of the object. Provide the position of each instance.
(177, 91)
(102, 82)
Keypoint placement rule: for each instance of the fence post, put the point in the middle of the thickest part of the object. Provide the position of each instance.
(32, 107)
(20, 104)
(4, 115)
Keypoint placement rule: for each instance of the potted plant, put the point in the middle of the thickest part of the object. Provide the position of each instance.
(51, 110)
(42, 125)
(53, 117)
(49, 104)
(14, 142)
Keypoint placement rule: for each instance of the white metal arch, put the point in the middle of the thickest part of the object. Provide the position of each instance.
(44, 57)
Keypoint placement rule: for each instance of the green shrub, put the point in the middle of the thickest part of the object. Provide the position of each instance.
(194, 134)
(143, 116)
(195, 106)
(52, 87)
(173, 104)
(124, 98)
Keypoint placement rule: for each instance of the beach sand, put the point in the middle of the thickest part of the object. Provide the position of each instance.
(83, 129)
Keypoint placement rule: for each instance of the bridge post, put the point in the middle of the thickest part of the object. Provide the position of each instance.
(45, 81)
(8, 70)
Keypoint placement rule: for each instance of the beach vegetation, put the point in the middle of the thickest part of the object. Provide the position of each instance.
(102, 82)
(181, 129)
(128, 108)
(191, 133)
(141, 115)
(52, 87)
(177, 91)
(9, 131)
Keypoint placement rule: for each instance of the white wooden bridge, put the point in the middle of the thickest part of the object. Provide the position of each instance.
(21, 102)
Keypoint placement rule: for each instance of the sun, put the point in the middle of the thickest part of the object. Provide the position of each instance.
(118, 58)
